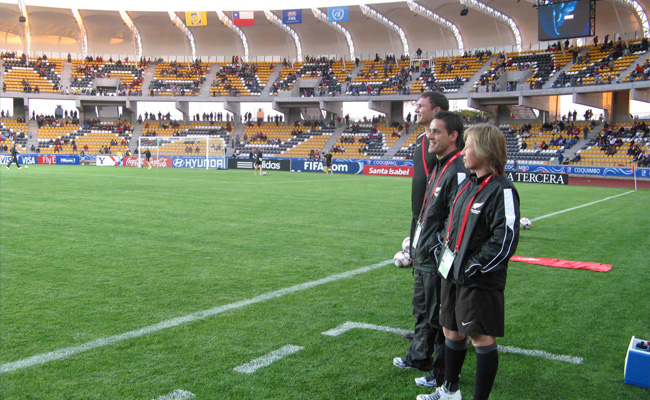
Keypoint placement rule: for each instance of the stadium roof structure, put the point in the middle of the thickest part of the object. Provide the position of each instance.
(437, 27)
(495, 25)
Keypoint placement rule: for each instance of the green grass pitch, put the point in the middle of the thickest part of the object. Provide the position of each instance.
(88, 254)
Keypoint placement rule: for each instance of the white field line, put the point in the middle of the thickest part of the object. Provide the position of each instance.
(170, 323)
(352, 325)
(577, 207)
(148, 177)
(268, 359)
(541, 354)
(177, 394)
(505, 349)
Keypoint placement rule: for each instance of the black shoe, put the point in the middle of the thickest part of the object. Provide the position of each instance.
(408, 335)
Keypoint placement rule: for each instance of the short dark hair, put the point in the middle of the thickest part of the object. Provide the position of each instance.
(436, 99)
(453, 122)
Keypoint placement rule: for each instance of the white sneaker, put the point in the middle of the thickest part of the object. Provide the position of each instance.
(441, 394)
(149, 167)
(423, 381)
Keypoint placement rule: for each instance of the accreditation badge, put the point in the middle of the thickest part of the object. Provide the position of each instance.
(416, 236)
(446, 262)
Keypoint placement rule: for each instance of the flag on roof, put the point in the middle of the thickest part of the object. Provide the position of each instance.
(243, 18)
(337, 14)
(291, 17)
(196, 18)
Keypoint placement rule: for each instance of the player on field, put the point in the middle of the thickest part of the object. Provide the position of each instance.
(481, 234)
(14, 156)
(327, 166)
(258, 160)
(147, 155)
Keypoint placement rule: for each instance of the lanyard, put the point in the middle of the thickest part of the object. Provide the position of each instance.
(469, 205)
(424, 160)
(426, 198)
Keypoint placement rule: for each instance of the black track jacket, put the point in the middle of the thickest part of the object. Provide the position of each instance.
(491, 233)
(436, 208)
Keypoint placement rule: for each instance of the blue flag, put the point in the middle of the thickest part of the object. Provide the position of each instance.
(291, 17)
(337, 14)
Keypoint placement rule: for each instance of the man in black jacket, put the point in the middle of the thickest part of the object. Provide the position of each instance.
(445, 142)
(427, 106)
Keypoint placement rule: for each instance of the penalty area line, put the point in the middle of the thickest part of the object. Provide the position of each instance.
(170, 323)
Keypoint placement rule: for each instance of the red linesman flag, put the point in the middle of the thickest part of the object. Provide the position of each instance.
(243, 18)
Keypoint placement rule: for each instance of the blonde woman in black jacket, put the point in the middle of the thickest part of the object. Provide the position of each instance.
(482, 233)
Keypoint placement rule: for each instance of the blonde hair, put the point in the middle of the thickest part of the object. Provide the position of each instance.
(490, 146)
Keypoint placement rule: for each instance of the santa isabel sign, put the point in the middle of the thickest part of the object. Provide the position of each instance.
(388, 170)
(538, 177)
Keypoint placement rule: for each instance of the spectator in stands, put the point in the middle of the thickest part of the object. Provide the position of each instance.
(576, 157)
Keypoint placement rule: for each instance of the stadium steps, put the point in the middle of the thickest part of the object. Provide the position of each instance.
(209, 77)
(581, 144)
(333, 139)
(66, 74)
(147, 77)
(32, 128)
(397, 145)
(469, 84)
(553, 76)
(354, 71)
(137, 132)
(275, 73)
(415, 76)
(238, 129)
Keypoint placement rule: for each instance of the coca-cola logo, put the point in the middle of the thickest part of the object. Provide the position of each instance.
(130, 162)
(161, 162)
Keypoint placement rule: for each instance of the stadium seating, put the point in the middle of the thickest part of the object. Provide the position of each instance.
(85, 71)
(406, 150)
(241, 80)
(11, 128)
(32, 75)
(448, 74)
(178, 78)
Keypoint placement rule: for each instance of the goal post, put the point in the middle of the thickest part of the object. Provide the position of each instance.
(206, 152)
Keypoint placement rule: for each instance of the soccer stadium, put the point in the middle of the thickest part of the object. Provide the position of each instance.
(169, 229)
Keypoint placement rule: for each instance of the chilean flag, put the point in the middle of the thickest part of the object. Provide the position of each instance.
(243, 18)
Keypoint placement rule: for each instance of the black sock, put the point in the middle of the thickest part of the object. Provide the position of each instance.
(487, 363)
(455, 352)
